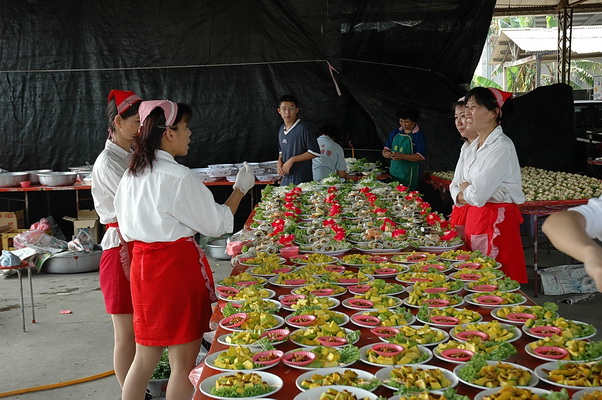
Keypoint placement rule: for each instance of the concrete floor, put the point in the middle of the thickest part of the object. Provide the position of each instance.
(63, 347)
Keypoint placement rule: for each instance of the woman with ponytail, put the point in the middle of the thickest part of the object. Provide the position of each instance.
(161, 205)
(109, 167)
(492, 184)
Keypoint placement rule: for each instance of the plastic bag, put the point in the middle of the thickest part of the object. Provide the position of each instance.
(39, 241)
(8, 259)
(237, 241)
(83, 241)
(41, 225)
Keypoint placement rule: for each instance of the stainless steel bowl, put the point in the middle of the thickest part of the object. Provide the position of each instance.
(33, 175)
(217, 249)
(11, 179)
(57, 178)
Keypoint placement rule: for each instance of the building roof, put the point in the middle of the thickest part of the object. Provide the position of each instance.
(539, 7)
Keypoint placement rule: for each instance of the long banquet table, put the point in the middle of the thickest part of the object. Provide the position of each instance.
(289, 374)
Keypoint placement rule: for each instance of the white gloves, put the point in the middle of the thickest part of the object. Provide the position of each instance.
(245, 179)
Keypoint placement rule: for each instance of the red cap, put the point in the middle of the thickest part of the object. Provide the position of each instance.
(500, 96)
(124, 99)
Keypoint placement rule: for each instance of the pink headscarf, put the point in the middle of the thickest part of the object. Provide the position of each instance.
(170, 109)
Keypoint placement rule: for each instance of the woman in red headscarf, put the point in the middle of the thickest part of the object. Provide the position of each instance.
(492, 184)
(109, 167)
(161, 205)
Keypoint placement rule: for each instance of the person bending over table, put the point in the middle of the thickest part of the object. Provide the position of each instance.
(332, 156)
(160, 206)
(492, 185)
(114, 275)
(405, 148)
(458, 215)
(571, 231)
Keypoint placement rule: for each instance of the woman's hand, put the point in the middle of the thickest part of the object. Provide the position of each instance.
(245, 179)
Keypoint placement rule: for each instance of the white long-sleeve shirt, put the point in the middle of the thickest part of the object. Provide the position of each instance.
(168, 203)
(109, 167)
(592, 212)
(493, 171)
(454, 186)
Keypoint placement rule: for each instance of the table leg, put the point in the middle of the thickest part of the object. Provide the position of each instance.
(535, 227)
(33, 310)
(22, 302)
(26, 208)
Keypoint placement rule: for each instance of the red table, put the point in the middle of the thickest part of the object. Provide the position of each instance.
(290, 374)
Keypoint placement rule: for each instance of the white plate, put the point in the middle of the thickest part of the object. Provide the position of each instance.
(532, 353)
(242, 302)
(489, 392)
(405, 302)
(528, 331)
(400, 291)
(282, 260)
(306, 368)
(399, 279)
(578, 395)
(222, 339)
(551, 366)
(329, 253)
(443, 325)
(271, 294)
(345, 320)
(445, 338)
(315, 393)
(411, 320)
(380, 251)
(361, 374)
(335, 304)
(348, 331)
(260, 282)
(384, 375)
(273, 280)
(296, 291)
(510, 327)
(484, 292)
(410, 288)
(252, 272)
(303, 260)
(279, 323)
(210, 362)
(346, 304)
(439, 249)
(455, 276)
(533, 382)
(470, 299)
(368, 278)
(273, 380)
(411, 262)
(494, 313)
(423, 350)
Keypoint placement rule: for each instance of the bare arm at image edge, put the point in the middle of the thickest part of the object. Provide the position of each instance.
(566, 231)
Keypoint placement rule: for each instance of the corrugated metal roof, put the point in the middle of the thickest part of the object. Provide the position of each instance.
(530, 7)
(585, 39)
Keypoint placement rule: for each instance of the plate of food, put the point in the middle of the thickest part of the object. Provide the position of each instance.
(440, 299)
(570, 329)
(261, 258)
(457, 352)
(265, 305)
(312, 317)
(415, 334)
(495, 299)
(325, 335)
(314, 258)
(489, 374)
(336, 391)
(407, 355)
(320, 289)
(512, 392)
(417, 378)
(377, 287)
(383, 270)
(520, 314)
(571, 375)
(447, 317)
(323, 357)
(383, 317)
(236, 358)
(414, 257)
(294, 302)
(358, 260)
(251, 338)
(560, 348)
(490, 330)
(269, 270)
(242, 280)
(250, 321)
(588, 394)
(337, 376)
(411, 278)
(294, 280)
(257, 384)
(248, 293)
(361, 302)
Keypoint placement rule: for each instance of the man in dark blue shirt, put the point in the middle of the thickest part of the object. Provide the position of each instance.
(297, 146)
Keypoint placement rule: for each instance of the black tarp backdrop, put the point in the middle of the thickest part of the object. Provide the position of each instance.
(231, 60)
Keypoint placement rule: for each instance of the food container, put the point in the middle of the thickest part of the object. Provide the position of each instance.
(57, 178)
(459, 355)
(387, 349)
(289, 251)
(33, 175)
(268, 357)
(12, 179)
(217, 249)
(384, 332)
(331, 341)
(299, 358)
(72, 262)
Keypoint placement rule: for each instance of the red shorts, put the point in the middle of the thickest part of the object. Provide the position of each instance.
(115, 286)
(171, 301)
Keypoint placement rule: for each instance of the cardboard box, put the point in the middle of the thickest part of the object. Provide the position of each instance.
(86, 219)
(7, 239)
(14, 219)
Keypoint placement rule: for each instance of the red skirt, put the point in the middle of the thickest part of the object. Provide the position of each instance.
(494, 229)
(170, 298)
(458, 220)
(114, 283)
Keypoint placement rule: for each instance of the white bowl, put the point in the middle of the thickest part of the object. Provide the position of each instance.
(201, 171)
(231, 178)
(220, 166)
(267, 177)
(218, 173)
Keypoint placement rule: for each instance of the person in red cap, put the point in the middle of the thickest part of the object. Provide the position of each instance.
(458, 214)
(109, 167)
(492, 185)
(161, 205)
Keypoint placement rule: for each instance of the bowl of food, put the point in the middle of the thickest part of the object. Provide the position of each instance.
(387, 349)
(268, 357)
(331, 341)
(384, 332)
(467, 335)
(458, 355)
(234, 320)
(299, 358)
(551, 352)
